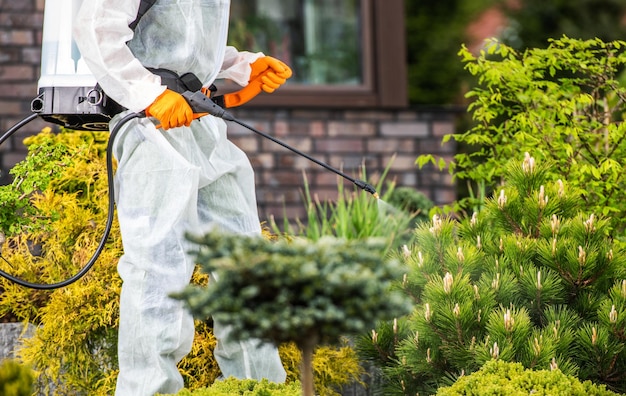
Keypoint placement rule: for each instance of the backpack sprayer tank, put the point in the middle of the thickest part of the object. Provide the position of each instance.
(68, 93)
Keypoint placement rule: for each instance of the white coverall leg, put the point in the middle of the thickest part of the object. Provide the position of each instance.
(168, 183)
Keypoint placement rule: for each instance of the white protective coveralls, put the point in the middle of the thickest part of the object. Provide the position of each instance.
(170, 182)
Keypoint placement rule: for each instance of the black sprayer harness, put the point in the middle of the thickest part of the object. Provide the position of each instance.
(190, 88)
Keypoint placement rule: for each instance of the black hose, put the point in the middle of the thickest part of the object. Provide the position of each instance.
(110, 215)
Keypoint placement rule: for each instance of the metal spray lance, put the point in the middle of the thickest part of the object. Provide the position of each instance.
(200, 103)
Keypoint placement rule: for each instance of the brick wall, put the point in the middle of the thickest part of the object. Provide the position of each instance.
(344, 139)
(21, 25)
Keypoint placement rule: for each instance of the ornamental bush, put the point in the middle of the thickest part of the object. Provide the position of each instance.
(232, 386)
(15, 379)
(564, 103)
(528, 279)
(504, 378)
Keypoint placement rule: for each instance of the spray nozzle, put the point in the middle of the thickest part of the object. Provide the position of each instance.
(366, 187)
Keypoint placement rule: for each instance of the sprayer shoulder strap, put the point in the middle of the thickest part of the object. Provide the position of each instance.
(144, 6)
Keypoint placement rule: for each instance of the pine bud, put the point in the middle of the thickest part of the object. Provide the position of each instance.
(374, 337)
(555, 223)
(405, 251)
(594, 336)
(420, 259)
(405, 280)
(589, 226)
(624, 288)
(539, 280)
(437, 224)
(528, 166)
(501, 245)
(543, 198)
(479, 245)
(427, 312)
(537, 346)
(495, 283)
(480, 312)
(476, 293)
(447, 283)
(417, 338)
(428, 359)
(474, 219)
(502, 200)
(613, 314)
(553, 246)
(582, 255)
(553, 365)
(395, 326)
(494, 351)
(459, 254)
(508, 320)
(561, 188)
(457, 310)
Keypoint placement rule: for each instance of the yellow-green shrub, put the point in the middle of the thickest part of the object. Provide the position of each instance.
(15, 379)
(60, 197)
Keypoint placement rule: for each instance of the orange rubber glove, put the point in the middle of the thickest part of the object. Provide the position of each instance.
(171, 109)
(267, 75)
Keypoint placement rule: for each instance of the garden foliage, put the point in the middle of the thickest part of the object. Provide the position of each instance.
(564, 103)
(503, 378)
(15, 379)
(531, 279)
(356, 214)
(53, 216)
(232, 386)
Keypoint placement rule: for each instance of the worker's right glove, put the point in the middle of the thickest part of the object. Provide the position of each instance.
(267, 75)
(171, 109)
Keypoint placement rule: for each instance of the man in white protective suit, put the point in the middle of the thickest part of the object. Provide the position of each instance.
(175, 174)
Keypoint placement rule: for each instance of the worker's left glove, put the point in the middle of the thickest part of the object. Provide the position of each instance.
(267, 75)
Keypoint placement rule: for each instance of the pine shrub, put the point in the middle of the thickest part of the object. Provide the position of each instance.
(528, 279)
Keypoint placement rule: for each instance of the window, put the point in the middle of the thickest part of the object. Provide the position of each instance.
(343, 53)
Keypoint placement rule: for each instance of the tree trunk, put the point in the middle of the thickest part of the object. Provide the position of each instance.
(306, 375)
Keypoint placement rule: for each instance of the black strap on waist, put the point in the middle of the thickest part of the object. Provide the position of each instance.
(180, 84)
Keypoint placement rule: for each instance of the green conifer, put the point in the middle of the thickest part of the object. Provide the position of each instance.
(528, 279)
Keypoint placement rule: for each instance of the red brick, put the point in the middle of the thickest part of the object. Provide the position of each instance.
(339, 145)
(404, 129)
(342, 128)
(16, 73)
(388, 146)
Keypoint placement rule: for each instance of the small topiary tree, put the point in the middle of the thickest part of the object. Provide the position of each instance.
(295, 291)
(528, 279)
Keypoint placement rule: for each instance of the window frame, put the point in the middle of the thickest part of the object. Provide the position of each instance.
(384, 72)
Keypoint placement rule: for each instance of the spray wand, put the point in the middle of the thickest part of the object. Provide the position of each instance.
(200, 103)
